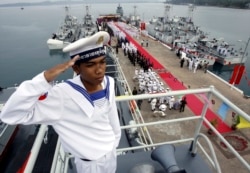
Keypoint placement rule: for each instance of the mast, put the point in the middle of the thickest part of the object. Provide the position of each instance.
(191, 8)
(167, 12)
(135, 12)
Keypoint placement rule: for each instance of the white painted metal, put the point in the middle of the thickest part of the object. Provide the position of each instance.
(202, 119)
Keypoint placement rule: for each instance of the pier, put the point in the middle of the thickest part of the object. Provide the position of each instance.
(167, 67)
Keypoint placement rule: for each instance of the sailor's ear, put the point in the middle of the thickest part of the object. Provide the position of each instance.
(76, 68)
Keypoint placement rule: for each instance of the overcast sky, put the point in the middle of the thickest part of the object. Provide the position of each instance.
(16, 1)
(33, 1)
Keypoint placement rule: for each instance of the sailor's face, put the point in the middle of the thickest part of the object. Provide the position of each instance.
(93, 71)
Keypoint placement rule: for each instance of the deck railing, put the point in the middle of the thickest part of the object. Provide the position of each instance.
(61, 159)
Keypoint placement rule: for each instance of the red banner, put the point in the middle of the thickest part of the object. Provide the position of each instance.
(240, 73)
(234, 75)
(143, 26)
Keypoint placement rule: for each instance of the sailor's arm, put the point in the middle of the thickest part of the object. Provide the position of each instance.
(24, 104)
(20, 106)
(55, 71)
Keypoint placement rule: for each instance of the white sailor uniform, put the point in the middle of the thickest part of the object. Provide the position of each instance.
(163, 107)
(87, 124)
(85, 129)
(171, 102)
(153, 104)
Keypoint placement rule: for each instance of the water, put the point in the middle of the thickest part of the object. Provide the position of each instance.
(24, 52)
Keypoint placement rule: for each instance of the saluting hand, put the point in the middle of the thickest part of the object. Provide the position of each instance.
(55, 71)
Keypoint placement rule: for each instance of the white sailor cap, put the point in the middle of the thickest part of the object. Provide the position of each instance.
(89, 47)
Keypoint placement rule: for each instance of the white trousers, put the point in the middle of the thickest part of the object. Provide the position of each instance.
(106, 164)
(171, 105)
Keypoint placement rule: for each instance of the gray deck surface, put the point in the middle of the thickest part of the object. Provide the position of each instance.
(183, 159)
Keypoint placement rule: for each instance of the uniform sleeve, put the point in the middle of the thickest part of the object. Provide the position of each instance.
(25, 107)
(113, 116)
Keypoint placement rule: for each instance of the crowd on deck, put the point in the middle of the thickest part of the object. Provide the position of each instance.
(192, 62)
(147, 80)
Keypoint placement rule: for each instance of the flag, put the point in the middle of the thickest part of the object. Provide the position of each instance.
(42, 97)
(243, 123)
(223, 110)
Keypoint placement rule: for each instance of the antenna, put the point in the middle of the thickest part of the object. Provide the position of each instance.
(167, 11)
(191, 8)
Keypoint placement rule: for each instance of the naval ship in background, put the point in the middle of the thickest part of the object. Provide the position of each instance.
(72, 29)
(184, 37)
(137, 152)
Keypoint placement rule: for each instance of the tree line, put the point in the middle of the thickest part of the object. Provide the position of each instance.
(221, 3)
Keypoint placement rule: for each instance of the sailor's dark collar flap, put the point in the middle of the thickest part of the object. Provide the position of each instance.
(79, 98)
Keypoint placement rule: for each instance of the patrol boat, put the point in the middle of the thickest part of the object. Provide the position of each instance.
(67, 33)
(181, 35)
(87, 27)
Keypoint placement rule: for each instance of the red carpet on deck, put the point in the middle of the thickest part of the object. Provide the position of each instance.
(194, 103)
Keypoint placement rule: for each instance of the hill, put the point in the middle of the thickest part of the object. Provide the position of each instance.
(243, 4)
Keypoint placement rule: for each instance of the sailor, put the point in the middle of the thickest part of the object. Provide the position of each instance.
(139, 102)
(161, 100)
(171, 102)
(190, 65)
(162, 108)
(183, 103)
(196, 63)
(142, 43)
(142, 85)
(153, 104)
(167, 98)
(82, 110)
(136, 74)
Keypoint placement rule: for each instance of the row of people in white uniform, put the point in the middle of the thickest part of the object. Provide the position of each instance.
(193, 64)
(129, 47)
(159, 105)
(148, 81)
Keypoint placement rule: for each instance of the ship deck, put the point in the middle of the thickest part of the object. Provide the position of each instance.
(188, 79)
(183, 78)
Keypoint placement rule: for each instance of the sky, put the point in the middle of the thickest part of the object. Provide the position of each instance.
(34, 1)
(17, 1)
